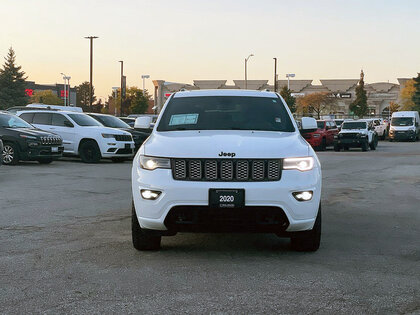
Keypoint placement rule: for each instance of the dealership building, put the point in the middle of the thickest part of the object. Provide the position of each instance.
(379, 94)
(56, 88)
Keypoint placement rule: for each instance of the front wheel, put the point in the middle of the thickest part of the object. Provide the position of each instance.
(373, 144)
(89, 152)
(10, 154)
(337, 148)
(308, 241)
(45, 160)
(365, 146)
(141, 239)
(118, 160)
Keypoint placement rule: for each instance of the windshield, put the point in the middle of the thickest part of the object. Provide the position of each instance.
(354, 125)
(84, 120)
(402, 121)
(9, 121)
(225, 113)
(320, 124)
(111, 121)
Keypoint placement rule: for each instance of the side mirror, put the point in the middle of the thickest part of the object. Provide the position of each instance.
(309, 123)
(68, 124)
(143, 122)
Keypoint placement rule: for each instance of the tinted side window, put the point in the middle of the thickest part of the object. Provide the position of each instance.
(58, 120)
(28, 117)
(42, 119)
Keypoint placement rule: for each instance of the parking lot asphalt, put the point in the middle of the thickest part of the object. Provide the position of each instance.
(65, 246)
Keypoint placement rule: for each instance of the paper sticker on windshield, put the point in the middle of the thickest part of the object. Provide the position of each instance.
(277, 120)
(183, 119)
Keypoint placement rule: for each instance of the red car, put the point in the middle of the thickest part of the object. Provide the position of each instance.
(323, 136)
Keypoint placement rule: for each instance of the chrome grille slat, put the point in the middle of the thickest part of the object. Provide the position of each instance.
(227, 170)
(50, 140)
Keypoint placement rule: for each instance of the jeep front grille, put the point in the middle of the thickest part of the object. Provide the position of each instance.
(123, 138)
(349, 135)
(50, 140)
(226, 170)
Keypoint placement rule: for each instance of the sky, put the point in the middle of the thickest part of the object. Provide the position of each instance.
(185, 40)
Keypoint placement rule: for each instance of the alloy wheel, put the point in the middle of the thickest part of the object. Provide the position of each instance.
(8, 154)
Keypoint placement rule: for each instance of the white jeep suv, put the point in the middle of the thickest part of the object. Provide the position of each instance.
(226, 160)
(83, 135)
(356, 133)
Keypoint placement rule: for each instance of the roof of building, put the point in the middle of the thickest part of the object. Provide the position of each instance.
(341, 85)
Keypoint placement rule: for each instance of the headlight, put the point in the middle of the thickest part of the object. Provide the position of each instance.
(151, 163)
(28, 137)
(302, 164)
(108, 135)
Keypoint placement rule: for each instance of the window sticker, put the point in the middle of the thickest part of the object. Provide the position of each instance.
(183, 119)
(277, 120)
(274, 101)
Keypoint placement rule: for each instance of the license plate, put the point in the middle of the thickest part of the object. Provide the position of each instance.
(227, 198)
(54, 149)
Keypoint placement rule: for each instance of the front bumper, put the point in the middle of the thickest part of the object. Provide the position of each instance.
(152, 214)
(42, 151)
(118, 149)
(353, 142)
(314, 142)
(402, 135)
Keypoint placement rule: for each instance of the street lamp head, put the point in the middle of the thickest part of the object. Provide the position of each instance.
(290, 75)
(145, 76)
(89, 37)
(251, 55)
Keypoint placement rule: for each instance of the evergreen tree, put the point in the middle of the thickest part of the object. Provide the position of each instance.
(288, 98)
(359, 106)
(83, 95)
(12, 83)
(416, 95)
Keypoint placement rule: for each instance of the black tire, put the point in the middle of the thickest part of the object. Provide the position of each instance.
(365, 146)
(308, 241)
(383, 136)
(346, 148)
(337, 148)
(45, 161)
(10, 154)
(118, 160)
(142, 240)
(89, 152)
(374, 143)
(323, 146)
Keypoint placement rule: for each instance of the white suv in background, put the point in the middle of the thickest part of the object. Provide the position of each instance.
(83, 135)
(226, 160)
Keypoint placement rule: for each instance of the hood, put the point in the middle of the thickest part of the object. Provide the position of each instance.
(210, 144)
(33, 132)
(114, 131)
(353, 131)
(402, 128)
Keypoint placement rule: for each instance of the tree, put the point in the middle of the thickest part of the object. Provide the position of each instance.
(83, 95)
(289, 99)
(46, 97)
(416, 95)
(406, 95)
(393, 107)
(12, 83)
(359, 106)
(139, 100)
(318, 103)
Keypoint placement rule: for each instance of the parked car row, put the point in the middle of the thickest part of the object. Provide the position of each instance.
(363, 133)
(47, 133)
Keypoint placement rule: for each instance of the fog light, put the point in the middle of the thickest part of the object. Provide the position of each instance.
(303, 195)
(150, 194)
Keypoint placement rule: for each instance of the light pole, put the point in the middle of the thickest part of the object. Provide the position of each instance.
(68, 94)
(288, 76)
(91, 38)
(275, 75)
(144, 76)
(65, 88)
(246, 79)
(115, 94)
(122, 83)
